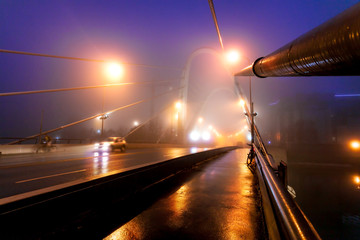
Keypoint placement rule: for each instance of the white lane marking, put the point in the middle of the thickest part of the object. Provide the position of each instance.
(49, 176)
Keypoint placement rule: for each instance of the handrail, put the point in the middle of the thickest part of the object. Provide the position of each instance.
(292, 222)
(263, 148)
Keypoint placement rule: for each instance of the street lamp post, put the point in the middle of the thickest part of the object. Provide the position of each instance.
(103, 117)
(178, 109)
(252, 114)
(114, 71)
(233, 57)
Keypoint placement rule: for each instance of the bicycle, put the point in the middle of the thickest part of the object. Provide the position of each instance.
(250, 161)
(44, 147)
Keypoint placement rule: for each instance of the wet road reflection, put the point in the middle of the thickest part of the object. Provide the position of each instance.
(220, 201)
(101, 162)
(33, 172)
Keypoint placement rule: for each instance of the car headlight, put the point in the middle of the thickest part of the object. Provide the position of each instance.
(105, 147)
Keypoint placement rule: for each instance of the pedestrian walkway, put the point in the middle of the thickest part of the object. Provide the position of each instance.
(221, 201)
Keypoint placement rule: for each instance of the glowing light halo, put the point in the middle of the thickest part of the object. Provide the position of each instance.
(194, 136)
(232, 56)
(114, 70)
(355, 145)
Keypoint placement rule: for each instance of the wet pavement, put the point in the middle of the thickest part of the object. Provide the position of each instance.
(21, 174)
(221, 201)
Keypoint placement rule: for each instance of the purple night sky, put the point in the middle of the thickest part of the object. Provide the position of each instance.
(162, 33)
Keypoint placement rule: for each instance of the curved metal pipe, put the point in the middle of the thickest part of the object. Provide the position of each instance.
(331, 49)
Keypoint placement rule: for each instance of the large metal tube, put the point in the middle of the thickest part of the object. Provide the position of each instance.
(331, 49)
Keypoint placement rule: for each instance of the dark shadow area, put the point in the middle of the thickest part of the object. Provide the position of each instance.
(327, 192)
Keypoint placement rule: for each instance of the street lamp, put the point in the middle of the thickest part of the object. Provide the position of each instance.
(230, 56)
(178, 105)
(102, 118)
(200, 120)
(184, 85)
(178, 109)
(114, 71)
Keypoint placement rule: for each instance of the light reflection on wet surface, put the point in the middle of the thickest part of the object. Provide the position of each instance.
(101, 162)
(178, 206)
(218, 203)
(64, 166)
(193, 149)
(178, 152)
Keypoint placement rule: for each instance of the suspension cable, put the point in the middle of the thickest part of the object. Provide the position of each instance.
(92, 117)
(212, 8)
(83, 59)
(75, 88)
(149, 119)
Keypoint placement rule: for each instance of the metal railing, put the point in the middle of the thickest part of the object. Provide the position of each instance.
(290, 220)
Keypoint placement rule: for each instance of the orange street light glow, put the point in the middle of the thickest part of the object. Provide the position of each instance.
(242, 102)
(232, 56)
(114, 70)
(178, 105)
(357, 180)
(355, 145)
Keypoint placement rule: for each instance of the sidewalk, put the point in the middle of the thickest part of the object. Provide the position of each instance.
(220, 202)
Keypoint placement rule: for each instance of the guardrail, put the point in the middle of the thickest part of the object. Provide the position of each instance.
(284, 218)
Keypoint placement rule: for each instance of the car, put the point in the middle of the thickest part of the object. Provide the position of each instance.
(111, 144)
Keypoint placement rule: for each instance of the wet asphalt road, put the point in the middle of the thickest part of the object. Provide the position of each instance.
(220, 201)
(24, 173)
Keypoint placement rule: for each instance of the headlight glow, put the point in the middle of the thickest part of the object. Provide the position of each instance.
(194, 136)
(206, 136)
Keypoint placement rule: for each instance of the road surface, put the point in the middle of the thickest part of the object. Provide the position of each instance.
(24, 173)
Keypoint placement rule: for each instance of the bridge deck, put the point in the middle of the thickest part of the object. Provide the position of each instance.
(221, 201)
